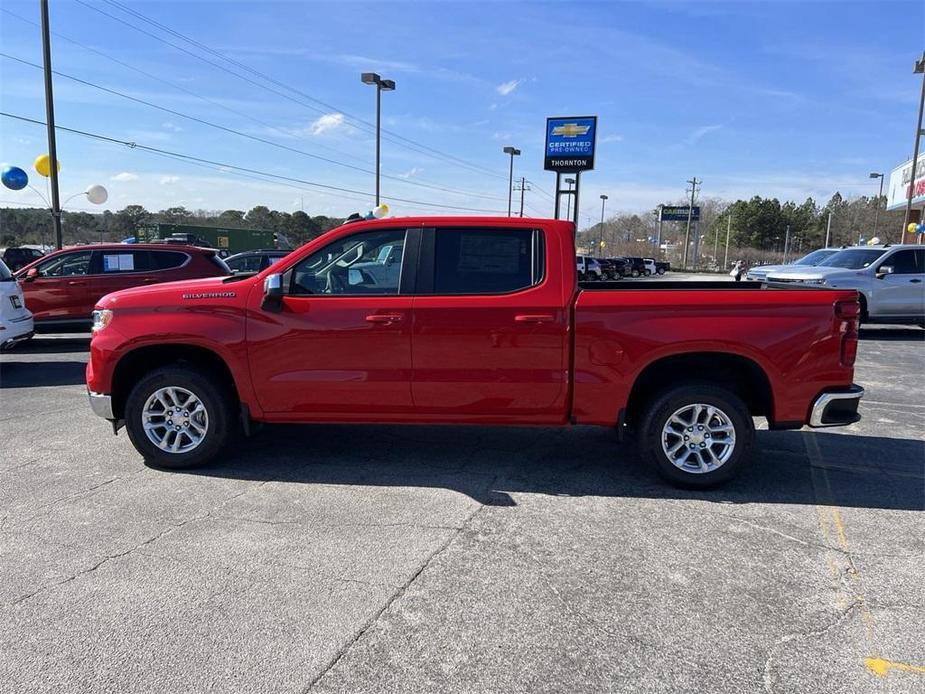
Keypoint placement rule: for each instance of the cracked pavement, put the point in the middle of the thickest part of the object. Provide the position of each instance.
(390, 559)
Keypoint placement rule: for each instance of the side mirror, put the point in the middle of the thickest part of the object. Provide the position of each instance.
(883, 271)
(31, 275)
(272, 293)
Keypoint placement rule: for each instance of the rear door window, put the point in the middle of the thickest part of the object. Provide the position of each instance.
(486, 261)
(115, 262)
(906, 262)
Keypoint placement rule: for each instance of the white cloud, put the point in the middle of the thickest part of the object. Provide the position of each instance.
(124, 177)
(173, 127)
(506, 88)
(413, 171)
(169, 180)
(329, 121)
(702, 131)
(611, 138)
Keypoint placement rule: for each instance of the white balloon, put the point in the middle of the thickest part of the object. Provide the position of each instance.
(381, 211)
(875, 241)
(97, 194)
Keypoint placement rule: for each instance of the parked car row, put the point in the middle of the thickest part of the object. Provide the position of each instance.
(610, 269)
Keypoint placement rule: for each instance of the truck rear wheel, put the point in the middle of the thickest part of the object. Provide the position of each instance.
(697, 436)
(178, 418)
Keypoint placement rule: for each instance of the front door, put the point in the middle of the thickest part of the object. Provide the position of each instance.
(902, 293)
(62, 288)
(490, 333)
(341, 345)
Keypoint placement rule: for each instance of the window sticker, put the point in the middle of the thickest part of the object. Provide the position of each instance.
(118, 262)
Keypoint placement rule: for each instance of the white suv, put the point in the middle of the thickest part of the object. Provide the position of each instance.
(890, 280)
(15, 319)
(588, 268)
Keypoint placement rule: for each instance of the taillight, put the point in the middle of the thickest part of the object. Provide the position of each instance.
(849, 312)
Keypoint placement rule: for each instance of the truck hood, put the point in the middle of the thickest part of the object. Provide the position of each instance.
(212, 290)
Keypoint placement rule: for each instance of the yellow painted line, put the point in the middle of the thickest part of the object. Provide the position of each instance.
(881, 667)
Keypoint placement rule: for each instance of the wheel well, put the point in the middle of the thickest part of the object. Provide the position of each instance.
(739, 374)
(134, 365)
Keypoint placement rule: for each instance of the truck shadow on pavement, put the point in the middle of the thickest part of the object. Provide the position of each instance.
(892, 334)
(493, 465)
(33, 374)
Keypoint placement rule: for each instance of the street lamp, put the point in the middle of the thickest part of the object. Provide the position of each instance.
(514, 152)
(568, 208)
(877, 208)
(381, 86)
(918, 68)
(600, 244)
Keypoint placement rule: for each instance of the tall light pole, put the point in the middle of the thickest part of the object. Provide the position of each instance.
(877, 208)
(50, 121)
(919, 68)
(381, 86)
(690, 211)
(600, 244)
(514, 152)
(568, 204)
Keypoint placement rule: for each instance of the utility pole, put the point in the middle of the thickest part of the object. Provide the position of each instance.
(919, 68)
(828, 229)
(786, 243)
(522, 188)
(513, 151)
(690, 211)
(728, 230)
(658, 233)
(715, 244)
(50, 120)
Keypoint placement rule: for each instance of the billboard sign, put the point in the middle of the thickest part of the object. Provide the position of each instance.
(570, 144)
(901, 185)
(678, 213)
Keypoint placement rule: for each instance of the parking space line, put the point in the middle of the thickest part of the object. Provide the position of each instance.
(849, 581)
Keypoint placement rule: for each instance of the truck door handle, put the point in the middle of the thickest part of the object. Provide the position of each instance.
(915, 281)
(76, 283)
(384, 318)
(534, 318)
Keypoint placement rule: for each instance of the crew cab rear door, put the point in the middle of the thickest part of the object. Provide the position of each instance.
(340, 346)
(490, 328)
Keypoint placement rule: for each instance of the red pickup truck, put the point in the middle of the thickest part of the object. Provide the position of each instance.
(465, 320)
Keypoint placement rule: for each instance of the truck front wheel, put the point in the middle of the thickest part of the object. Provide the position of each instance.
(697, 436)
(178, 418)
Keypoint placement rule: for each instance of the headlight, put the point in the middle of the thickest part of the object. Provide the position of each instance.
(101, 319)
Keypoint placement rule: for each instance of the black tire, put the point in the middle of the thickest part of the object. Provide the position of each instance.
(634, 273)
(216, 400)
(864, 317)
(664, 406)
(648, 273)
(661, 271)
(581, 276)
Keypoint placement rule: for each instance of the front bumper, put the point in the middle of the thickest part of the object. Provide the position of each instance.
(101, 405)
(836, 408)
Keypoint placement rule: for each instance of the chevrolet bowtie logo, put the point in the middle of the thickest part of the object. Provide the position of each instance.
(571, 130)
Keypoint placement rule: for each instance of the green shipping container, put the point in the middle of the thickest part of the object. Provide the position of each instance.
(228, 241)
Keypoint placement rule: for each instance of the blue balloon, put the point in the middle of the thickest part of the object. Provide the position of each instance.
(14, 178)
(370, 215)
(920, 229)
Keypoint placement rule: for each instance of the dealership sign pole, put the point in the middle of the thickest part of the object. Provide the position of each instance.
(570, 149)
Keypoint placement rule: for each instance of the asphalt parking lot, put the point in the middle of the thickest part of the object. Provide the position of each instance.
(390, 559)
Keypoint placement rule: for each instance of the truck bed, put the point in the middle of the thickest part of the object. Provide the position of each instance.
(636, 284)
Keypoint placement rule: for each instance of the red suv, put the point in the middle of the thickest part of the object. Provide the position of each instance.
(61, 288)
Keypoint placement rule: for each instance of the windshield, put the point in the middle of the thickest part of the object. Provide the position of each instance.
(816, 257)
(853, 258)
(5, 274)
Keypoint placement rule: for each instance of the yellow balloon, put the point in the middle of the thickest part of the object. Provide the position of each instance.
(911, 228)
(43, 165)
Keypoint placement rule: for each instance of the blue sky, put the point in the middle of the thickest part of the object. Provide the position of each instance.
(787, 99)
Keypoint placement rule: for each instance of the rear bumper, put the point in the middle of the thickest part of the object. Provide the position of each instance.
(836, 408)
(101, 405)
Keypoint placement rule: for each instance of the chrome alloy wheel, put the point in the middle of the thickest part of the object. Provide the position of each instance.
(175, 420)
(698, 438)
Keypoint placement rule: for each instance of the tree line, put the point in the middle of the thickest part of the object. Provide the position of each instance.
(34, 225)
(758, 228)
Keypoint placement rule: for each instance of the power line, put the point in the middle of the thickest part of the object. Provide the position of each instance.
(358, 123)
(249, 170)
(174, 86)
(249, 136)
